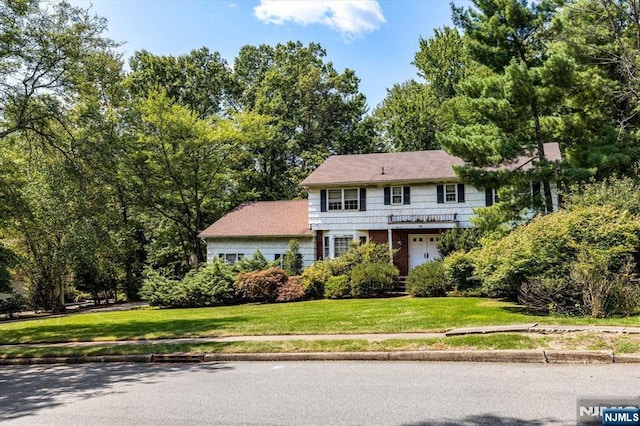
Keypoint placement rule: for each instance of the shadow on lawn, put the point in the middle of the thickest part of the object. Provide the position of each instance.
(26, 390)
(50, 333)
(520, 310)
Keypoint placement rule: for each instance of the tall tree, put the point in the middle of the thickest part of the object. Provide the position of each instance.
(407, 118)
(443, 61)
(603, 37)
(47, 55)
(502, 115)
(200, 80)
(183, 169)
(315, 110)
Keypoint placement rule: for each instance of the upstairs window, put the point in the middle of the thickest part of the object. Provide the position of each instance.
(343, 199)
(335, 199)
(450, 193)
(491, 196)
(397, 195)
(350, 199)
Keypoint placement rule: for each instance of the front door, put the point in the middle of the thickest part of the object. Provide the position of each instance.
(422, 249)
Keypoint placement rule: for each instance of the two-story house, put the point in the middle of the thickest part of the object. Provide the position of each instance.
(405, 199)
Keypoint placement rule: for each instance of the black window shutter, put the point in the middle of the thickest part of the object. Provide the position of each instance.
(440, 189)
(461, 192)
(323, 200)
(387, 196)
(363, 199)
(536, 189)
(407, 194)
(488, 196)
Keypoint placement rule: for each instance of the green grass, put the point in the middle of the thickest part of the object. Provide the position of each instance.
(314, 317)
(496, 341)
(590, 341)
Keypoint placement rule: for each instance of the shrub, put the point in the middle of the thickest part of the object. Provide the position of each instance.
(161, 291)
(459, 239)
(607, 289)
(459, 270)
(292, 262)
(358, 254)
(337, 287)
(291, 291)
(257, 262)
(547, 247)
(261, 286)
(14, 304)
(209, 285)
(556, 296)
(314, 279)
(428, 280)
(372, 279)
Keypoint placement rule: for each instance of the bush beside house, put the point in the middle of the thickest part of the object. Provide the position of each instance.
(428, 280)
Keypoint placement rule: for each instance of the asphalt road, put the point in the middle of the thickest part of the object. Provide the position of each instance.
(306, 393)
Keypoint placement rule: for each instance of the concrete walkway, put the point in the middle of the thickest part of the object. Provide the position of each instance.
(519, 328)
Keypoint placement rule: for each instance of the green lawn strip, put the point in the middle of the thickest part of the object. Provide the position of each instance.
(394, 315)
(496, 341)
(515, 341)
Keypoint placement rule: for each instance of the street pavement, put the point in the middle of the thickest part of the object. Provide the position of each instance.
(307, 393)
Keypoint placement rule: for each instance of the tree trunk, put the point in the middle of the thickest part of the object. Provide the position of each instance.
(546, 185)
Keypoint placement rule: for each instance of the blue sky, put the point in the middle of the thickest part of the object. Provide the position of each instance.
(377, 39)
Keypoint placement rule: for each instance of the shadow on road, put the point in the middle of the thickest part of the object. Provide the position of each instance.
(25, 390)
(489, 419)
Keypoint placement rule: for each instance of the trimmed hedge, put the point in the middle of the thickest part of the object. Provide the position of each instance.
(428, 280)
(372, 279)
(260, 286)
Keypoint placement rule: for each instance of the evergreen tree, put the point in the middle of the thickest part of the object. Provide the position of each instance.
(502, 113)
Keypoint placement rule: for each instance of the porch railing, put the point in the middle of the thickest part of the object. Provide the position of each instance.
(423, 218)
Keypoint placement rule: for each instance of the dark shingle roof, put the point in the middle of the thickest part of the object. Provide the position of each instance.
(407, 167)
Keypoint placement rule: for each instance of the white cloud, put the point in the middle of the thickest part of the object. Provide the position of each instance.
(351, 18)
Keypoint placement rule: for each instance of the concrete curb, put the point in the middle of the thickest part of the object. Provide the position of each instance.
(579, 357)
(504, 356)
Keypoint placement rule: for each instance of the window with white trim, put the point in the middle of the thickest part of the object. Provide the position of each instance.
(231, 258)
(343, 199)
(326, 248)
(341, 245)
(451, 193)
(397, 195)
(335, 199)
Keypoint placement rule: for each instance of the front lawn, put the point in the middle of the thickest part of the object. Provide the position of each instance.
(314, 317)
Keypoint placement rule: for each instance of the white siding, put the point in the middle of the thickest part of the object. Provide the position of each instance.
(269, 247)
(423, 201)
(376, 217)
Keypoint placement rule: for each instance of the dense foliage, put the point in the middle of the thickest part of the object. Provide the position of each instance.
(325, 278)
(209, 285)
